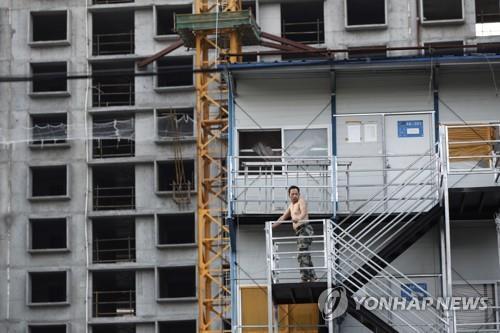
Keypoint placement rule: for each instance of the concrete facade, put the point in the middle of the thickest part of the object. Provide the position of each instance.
(17, 105)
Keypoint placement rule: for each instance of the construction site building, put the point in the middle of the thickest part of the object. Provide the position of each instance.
(387, 118)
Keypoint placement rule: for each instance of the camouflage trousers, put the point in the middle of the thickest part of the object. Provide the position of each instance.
(303, 244)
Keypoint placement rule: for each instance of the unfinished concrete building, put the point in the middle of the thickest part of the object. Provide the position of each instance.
(93, 239)
(385, 113)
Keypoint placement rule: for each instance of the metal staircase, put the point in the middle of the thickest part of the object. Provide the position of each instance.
(394, 218)
(356, 252)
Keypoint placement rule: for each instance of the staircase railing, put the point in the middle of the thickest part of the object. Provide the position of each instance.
(413, 191)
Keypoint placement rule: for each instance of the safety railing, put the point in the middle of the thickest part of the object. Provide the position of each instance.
(343, 260)
(473, 149)
(113, 198)
(308, 32)
(356, 264)
(410, 191)
(259, 183)
(49, 134)
(293, 256)
(108, 2)
(360, 177)
(283, 247)
(113, 303)
(477, 321)
(105, 148)
(109, 250)
(107, 44)
(113, 94)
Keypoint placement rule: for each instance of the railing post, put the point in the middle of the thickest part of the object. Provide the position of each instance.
(269, 256)
(129, 248)
(96, 299)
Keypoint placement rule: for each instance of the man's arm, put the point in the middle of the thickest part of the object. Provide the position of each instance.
(286, 216)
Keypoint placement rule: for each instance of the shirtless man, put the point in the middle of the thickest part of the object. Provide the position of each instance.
(297, 212)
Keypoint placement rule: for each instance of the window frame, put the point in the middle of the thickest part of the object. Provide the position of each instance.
(44, 145)
(29, 290)
(65, 196)
(51, 323)
(41, 94)
(160, 89)
(173, 36)
(424, 22)
(161, 139)
(157, 229)
(282, 130)
(29, 234)
(157, 326)
(175, 299)
(365, 26)
(322, 31)
(49, 43)
(156, 176)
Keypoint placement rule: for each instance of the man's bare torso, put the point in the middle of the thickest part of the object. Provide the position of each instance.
(296, 213)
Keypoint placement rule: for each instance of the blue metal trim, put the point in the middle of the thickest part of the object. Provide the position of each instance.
(340, 63)
(333, 112)
(230, 220)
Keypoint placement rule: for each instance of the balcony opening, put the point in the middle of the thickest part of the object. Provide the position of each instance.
(113, 240)
(49, 77)
(49, 181)
(444, 10)
(48, 287)
(487, 17)
(165, 18)
(113, 187)
(175, 71)
(49, 26)
(113, 33)
(303, 22)
(113, 328)
(113, 84)
(185, 326)
(47, 328)
(110, 2)
(48, 234)
(113, 294)
(174, 229)
(360, 13)
(175, 123)
(174, 175)
(113, 136)
(444, 48)
(49, 129)
(373, 52)
(177, 282)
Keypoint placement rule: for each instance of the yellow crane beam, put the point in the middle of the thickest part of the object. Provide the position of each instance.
(212, 126)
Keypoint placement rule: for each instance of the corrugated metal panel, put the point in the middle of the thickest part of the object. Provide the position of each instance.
(476, 316)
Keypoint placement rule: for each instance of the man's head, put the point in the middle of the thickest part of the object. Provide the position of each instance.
(294, 193)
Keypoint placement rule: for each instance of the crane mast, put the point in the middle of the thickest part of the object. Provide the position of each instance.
(212, 126)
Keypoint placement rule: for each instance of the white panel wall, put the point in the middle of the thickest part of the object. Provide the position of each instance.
(278, 102)
(469, 94)
(383, 92)
(474, 252)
